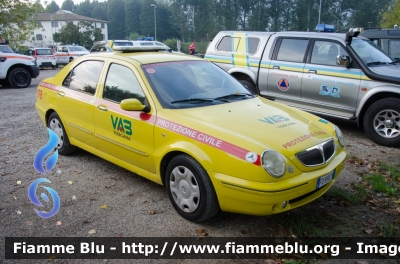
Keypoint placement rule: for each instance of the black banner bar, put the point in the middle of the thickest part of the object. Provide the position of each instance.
(201, 248)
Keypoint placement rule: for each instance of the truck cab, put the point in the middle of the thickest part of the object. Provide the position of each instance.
(331, 74)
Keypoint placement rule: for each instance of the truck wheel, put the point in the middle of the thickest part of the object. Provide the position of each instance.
(4, 82)
(64, 146)
(19, 78)
(249, 85)
(382, 122)
(190, 189)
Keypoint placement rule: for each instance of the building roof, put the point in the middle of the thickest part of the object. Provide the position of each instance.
(61, 15)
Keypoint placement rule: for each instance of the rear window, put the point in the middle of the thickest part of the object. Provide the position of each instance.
(228, 44)
(292, 50)
(125, 43)
(43, 52)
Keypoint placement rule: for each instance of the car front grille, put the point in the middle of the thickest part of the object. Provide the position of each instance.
(317, 155)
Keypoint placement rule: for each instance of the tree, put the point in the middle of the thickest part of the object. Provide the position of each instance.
(132, 16)
(392, 16)
(17, 20)
(53, 7)
(368, 14)
(99, 11)
(85, 8)
(68, 5)
(83, 34)
(116, 19)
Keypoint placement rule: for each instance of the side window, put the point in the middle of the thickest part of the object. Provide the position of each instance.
(84, 77)
(64, 49)
(253, 45)
(292, 50)
(228, 44)
(121, 83)
(325, 52)
(394, 49)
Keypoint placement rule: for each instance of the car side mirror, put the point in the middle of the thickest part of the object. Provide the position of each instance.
(343, 60)
(133, 104)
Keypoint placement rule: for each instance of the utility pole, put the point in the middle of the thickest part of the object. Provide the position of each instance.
(319, 17)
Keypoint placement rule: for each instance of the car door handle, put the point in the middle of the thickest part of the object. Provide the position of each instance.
(102, 107)
(312, 71)
(61, 93)
(275, 67)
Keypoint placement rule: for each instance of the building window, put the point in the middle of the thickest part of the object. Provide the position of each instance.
(39, 37)
(102, 25)
(95, 25)
(38, 24)
(104, 36)
(54, 23)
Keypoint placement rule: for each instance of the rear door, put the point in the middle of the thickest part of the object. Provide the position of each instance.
(74, 102)
(281, 76)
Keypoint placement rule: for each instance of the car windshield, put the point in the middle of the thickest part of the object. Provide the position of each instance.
(370, 53)
(6, 49)
(185, 84)
(77, 48)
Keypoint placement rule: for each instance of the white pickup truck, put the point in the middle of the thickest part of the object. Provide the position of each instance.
(16, 70)
(67, 53)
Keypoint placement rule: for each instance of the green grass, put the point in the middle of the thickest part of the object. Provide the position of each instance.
(389, 229)
(386, 180)
(353, 198)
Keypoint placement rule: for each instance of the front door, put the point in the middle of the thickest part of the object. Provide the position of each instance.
(125, 135)
(327, 86)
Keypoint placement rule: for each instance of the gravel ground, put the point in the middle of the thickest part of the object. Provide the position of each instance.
(98, 195)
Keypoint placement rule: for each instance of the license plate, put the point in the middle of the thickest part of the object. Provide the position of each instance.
(322, 181)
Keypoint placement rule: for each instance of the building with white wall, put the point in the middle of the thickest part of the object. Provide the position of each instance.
(50, 23)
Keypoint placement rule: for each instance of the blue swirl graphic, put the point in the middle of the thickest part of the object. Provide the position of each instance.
(44, 151)
(35, 200)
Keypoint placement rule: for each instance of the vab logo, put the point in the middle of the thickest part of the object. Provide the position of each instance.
(122, 125)
(49, 165)
(274, 119)
(44, 151)
(35, 200)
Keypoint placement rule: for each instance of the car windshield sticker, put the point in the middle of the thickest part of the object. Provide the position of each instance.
(283, 85)
(150, 70)
(209, 140)
(291, 75)
(302, 138)
(333, 91)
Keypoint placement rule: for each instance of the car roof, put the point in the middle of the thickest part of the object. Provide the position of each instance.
(146, 57)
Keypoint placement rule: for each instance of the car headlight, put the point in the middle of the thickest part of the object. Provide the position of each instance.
(274, 163)
(339, 136)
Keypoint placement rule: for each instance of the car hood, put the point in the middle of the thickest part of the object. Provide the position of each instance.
(389, 70)
(257, 123)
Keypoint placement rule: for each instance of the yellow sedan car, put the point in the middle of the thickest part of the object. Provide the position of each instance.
(183, 122)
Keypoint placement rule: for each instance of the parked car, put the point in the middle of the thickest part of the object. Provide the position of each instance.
(44, 57)
(332, 74)
(67, 53)
(183, 122)
(16, 70)
(108, 45)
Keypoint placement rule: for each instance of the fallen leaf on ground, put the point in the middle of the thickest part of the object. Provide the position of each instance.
(152, 212)
(91, 232)
(103, 206)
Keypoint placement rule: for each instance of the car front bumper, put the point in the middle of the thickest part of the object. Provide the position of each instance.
(256, 198)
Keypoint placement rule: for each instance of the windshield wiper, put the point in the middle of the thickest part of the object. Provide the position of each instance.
(378, 63)
(234, 95)
(193, 100)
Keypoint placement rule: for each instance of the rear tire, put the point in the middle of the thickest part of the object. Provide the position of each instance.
(19, 78)
(382, 122)
(190, 189)
(64, 146)
(249, 85)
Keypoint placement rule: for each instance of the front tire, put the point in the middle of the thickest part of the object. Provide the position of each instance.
(64, 146)
(19, 78)
(249, 85)
(382, 122)
(190, 189)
